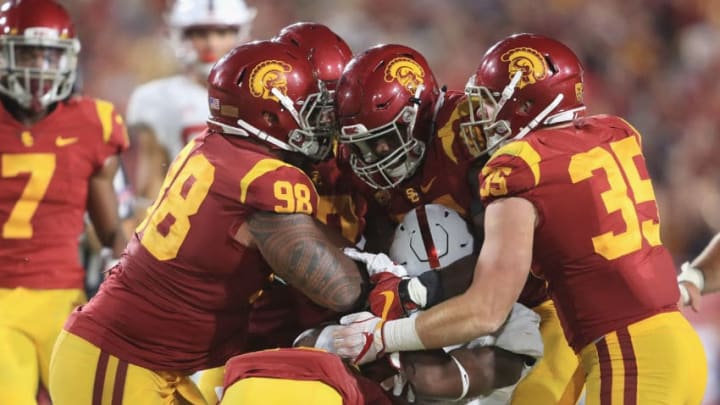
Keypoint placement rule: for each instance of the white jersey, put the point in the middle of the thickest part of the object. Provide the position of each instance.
(175, 108)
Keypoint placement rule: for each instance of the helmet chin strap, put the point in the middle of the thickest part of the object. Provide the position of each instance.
(539, 118)
(508, 91)
(247, 129)
(286, 102)
(264, 136)
(564, 116)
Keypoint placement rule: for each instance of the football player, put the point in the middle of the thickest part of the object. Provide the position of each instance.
(432, 237)
(282, 312)
(413, 144)
(233, 214)
(567, 197)
(301, 374)
(164, 114)
(58, 156)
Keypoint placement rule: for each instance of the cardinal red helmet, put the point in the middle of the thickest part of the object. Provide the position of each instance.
(328, 53)
(525, 81)
(385, 104)
(38, 52)
(325, 49)
(257, 90)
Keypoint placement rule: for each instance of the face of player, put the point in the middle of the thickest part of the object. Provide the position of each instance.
(210, 43)
(38, 57)
(43, 64)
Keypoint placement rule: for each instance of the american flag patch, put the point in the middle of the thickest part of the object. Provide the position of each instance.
(214, 103)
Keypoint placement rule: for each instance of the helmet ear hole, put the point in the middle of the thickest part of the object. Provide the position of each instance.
(241, 77)
(271, 119)
(551, 64)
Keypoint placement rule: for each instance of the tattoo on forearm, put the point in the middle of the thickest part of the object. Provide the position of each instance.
(296, 249)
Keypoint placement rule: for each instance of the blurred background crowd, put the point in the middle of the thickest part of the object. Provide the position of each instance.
(654, 62)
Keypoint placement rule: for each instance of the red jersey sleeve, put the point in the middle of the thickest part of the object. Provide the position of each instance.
(513, 170)
(113, 131)
(275, 186)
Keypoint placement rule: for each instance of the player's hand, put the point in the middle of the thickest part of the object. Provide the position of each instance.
(690, 296)
(360, 337)
(384, 297)
(376, 263)
(398, 383)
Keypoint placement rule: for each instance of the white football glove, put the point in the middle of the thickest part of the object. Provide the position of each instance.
(376, 263)
(360, 337)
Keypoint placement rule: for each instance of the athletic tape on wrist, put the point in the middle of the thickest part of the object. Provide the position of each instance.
(692, 275)
(400, 335)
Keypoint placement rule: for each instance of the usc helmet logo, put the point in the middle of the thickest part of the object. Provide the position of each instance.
(268, 75)
(407, 72)
(529, 61)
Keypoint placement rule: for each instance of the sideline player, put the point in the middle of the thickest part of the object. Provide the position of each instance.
(164, 114)
(58, 156)
(233, 210)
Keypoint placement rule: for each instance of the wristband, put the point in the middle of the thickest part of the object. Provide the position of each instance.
(464, 377)
(432, 281)
(417, 292)
(691, 275)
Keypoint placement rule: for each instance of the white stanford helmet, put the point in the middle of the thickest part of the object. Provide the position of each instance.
(187, 14)
(431, 237)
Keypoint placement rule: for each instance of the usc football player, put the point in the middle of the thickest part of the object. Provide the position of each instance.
(233, 214)
(569, 199)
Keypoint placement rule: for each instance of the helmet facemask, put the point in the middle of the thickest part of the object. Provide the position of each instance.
(317, 124)
(37, 69)
(484, 105)
(405, 151)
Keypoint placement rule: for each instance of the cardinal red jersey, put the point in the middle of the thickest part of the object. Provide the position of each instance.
(444, 178)
(340, 207)
(597, 241)
(181, 296)
(306, 365)
(44, 173)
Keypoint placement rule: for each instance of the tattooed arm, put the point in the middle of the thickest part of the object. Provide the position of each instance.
(300, 253)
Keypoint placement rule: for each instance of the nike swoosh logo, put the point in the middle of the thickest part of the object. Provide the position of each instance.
(389, 298)
(425, 188)
(60, 141)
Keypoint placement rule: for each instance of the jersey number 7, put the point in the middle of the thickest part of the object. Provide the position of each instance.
(41, 167)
